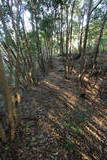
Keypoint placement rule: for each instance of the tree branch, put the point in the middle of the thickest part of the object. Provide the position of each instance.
(96, 6)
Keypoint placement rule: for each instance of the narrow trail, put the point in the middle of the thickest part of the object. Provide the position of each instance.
(59, 125)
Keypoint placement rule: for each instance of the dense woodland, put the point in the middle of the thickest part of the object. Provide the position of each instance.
(53, 79)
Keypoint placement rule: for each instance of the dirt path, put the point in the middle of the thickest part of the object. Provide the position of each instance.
(60, 125)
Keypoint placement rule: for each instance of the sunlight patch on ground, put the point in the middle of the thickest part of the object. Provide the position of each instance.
(54, 119)
(66, 101)
(48, 127)
(69, 96)
(86, 78)
(92, 127)
(74, 71)
(98, 121)
(103, 116)
(52, 85)
(85, 157)
(93, 133)
(71, 99)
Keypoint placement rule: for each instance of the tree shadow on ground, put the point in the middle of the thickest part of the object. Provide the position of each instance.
(56, 123)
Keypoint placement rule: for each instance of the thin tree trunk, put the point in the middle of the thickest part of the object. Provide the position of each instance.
(100, 36)
(67, 32)
(61, 32)
(2, 131)
(71, 27)
(87, 28)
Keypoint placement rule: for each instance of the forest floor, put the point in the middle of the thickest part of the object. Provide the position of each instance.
(58, 124)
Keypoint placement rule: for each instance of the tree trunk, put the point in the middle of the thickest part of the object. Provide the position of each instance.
(10, 107)
(100, 36)
(71, 27)
(2, 131)
(87, 28)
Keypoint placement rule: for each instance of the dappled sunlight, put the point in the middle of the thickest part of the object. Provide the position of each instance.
(48, 128)
(66, 101)
(51, 125)
(98, 121)
(86, 127)
(86, 78)
(69, 96)
(54, 118)
(74, 71)
(102, 115)
(96, 128)
(85, 157)
(70, 99)
(96, 86)
(52, 85)
(98, 131)
(87, 136)
(93, 133)
(53, 80)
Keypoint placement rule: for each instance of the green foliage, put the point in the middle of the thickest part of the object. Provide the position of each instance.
(98, 14)
(81, 117)
(73, 127)
(69, 145)
(59, 2)
(47, 26)
(66, 114)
